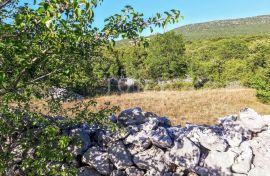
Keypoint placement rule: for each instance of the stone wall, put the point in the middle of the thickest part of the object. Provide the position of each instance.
(150, 146)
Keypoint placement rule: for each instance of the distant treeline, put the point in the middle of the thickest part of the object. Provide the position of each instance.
(214, 63)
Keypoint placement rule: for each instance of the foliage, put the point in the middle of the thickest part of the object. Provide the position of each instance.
(166, 57)
(54, 43)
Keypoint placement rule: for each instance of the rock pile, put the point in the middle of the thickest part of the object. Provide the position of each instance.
(64, 95)
(151, 146)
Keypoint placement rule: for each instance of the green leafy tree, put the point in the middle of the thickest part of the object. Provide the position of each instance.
(166, 57)
(53, 43)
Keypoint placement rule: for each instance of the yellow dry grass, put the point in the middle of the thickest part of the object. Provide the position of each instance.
(195, 106)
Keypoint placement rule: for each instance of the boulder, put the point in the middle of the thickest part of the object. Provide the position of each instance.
(251, 120)
(118, 173)
(184, 153)
(209, 137)
(243, 162)
(82, 141)
(99, 160)
(152, 158)
(120, 156)
(133, 116)
(139, 140)
(133, 171)
(87, 171)
(220, 162)
(261, 150)
(161, 138)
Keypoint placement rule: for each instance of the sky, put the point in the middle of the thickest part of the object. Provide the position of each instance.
(194, 11)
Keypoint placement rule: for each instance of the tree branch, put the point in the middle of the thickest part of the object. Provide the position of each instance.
(2, 5)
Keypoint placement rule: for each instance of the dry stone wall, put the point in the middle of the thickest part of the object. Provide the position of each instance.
(151, 146)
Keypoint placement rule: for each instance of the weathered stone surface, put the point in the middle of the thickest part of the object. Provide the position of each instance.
(161, 138)
(220, 162)
(83, 141)
(184, 153)
(261, 150)
(208, 137)
(242, 163)
(99, 160)
(133, 171)
(133, 116)
(118, 173)
(152, 158)
(140, 140)
(87, 171)
(120, 156)
(252, 120)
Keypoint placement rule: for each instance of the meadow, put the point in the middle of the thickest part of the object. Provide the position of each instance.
(193, 106)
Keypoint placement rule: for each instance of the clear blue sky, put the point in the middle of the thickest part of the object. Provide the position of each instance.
(194, 11)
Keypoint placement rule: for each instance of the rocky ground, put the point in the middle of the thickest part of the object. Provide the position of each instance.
(150, 146)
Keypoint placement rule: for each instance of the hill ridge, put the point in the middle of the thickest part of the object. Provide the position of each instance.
(257, 25)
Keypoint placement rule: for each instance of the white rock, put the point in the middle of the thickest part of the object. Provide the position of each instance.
(252, 120)
(152, 158)
(98, 160)
(133, 171)
(208, 138)
(161, 138)
(133, 116)
(220, 162)
(243, 161)
(140, 140)
(184, 153)
(120, 156)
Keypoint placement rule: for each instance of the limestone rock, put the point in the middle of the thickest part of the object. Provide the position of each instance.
(120, 156)
(161, 138)
(252, 120)
(133, 171)
(99, 160)
(140, 140)
(208, 137)
(152, 158)
(184, 153)
(243, 161)
(220, 162)
(87, 171)
(133, 116)
(118, 173)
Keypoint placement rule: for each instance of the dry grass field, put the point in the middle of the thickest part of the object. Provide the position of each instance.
(196, 106)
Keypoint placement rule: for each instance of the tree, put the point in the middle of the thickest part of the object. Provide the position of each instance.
(166, 58)
(53, 43)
